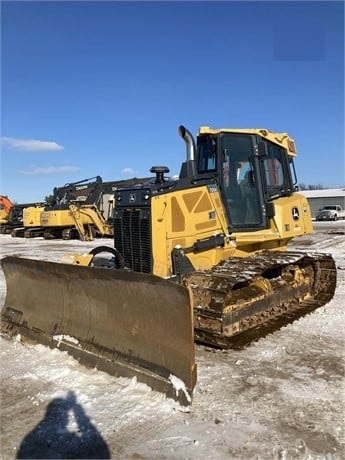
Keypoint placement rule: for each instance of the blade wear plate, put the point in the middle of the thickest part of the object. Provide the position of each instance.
(123, 322)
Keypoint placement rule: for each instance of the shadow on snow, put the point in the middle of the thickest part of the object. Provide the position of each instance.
(52, 438)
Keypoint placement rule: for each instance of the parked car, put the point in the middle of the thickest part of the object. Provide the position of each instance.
(330, 212)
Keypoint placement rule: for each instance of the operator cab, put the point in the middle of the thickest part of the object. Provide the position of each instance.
(252, 172)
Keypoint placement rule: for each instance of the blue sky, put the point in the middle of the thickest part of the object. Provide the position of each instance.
(100, 88)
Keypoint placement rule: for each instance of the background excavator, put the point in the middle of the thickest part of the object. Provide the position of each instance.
(77, 210)
(56, 220)
(203, 257)
(89, 220)
(5, 207)
(12, 215)
(31, 222)
(32, 225)
(61, 218)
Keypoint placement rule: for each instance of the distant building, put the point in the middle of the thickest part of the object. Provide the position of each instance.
(317, 199)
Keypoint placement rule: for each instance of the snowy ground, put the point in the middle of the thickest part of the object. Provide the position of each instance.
(280, 398)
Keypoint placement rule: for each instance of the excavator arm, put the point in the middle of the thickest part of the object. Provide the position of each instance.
(87, 218)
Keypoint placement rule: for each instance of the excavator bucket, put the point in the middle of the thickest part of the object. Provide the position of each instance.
(121, 322)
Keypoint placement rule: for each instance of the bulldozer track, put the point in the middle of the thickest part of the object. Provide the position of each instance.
(242, 300)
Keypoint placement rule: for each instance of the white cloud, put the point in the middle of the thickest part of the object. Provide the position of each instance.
(30, 145)
(50, 170)
(128, 171)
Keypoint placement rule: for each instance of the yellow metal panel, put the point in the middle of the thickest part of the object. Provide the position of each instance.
(56, 218)
(204, 204)
(189, 216)
(205, 225)
(62, 217)
(177, 216)
(292, 218)
(32, 216)
(191, 198)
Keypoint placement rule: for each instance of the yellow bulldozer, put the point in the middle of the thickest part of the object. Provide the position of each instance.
(198, 258)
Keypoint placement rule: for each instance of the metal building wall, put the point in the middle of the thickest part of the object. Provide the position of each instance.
(318, 202)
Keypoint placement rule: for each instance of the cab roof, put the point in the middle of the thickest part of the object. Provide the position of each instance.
(281, 139)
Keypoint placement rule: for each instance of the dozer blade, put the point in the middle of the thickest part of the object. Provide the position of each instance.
(121, 322)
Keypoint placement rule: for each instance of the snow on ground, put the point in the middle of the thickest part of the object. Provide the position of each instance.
(280, 398)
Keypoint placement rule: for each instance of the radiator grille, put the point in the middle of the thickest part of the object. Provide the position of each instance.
(132, 231)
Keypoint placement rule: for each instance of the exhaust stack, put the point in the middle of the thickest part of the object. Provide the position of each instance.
(188, 168)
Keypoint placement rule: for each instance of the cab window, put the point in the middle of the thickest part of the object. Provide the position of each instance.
(207, 154)
(273, 166)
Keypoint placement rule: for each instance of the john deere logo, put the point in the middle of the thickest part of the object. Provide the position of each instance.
(295, 213)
